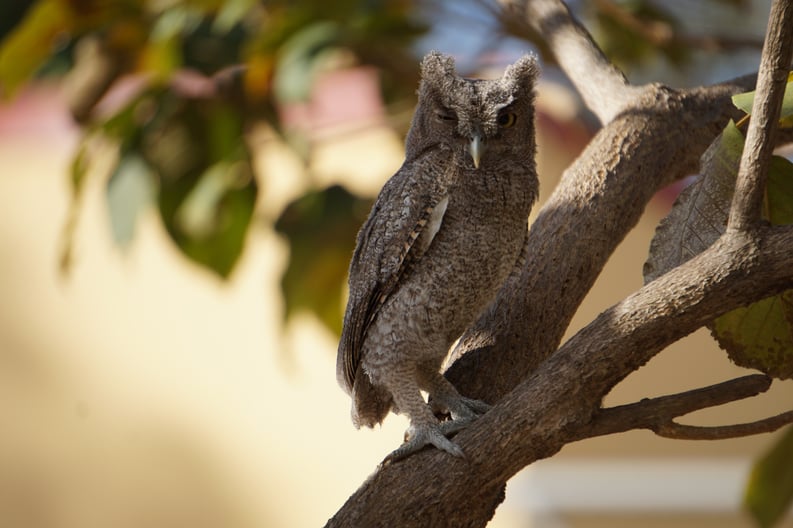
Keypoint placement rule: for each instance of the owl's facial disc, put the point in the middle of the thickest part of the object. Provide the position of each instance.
(476, 148)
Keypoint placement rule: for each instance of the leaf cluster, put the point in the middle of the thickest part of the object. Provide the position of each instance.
(193, 78)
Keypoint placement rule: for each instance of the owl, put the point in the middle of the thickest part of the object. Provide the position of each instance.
(442, 237)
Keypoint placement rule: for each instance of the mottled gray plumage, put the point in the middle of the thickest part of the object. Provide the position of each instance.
(443, 235)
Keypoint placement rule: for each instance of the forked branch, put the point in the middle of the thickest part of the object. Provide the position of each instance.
(678, 431)
(658, 414)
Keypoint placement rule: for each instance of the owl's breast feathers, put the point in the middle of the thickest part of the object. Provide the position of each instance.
(399, 236)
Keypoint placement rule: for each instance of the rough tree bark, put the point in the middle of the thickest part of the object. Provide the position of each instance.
(547, 395)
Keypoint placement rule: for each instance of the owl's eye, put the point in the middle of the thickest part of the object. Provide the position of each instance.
(446, 115)
(506, 120)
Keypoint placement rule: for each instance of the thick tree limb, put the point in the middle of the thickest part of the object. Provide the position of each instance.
(657, 414)
(760, 138)
(557, 404)
(604, 88)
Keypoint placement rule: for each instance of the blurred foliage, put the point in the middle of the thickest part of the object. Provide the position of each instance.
(769, 492)
(203, 72)
(318, 227)
(633, 32)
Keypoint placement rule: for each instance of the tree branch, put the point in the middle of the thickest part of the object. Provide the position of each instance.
(657, 414)
(678, 431)
(760, 139)
(559, 401)
(603, 87)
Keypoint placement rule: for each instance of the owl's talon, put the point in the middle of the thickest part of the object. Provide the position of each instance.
(419, 437)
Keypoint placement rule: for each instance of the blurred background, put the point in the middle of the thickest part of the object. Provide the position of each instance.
(181, 183)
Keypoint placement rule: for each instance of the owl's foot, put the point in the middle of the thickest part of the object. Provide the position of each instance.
(419, 436)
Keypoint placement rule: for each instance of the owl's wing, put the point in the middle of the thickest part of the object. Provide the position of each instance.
(399, 230)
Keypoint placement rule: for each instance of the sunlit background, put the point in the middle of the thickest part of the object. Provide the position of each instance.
(149, 380)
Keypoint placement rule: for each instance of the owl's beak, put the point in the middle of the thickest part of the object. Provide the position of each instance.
(477, 148)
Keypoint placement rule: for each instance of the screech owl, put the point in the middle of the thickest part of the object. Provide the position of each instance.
(442, 237)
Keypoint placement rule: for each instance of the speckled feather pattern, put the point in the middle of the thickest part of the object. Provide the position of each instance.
(441, 238)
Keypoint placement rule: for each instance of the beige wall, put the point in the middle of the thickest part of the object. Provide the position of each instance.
(140, 391)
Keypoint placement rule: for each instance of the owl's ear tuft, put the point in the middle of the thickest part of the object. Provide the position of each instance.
(437, 68)
(523, 72)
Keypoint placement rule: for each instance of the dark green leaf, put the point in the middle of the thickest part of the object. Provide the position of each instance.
(769, 492)
(207, 190)
(780, 191)
(213, 233)
(320, 227)
(700, 213)
(757, 336)
(760, 335)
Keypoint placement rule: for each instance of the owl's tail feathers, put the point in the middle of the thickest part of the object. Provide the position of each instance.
(370, 403)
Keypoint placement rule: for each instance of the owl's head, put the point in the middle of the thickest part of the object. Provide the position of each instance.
(482, 122)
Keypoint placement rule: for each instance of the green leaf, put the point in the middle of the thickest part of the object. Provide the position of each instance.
(769, 491)
(207, 189)
(231, 13)
(28, 47)
(320, 228)
(700, 213)
(760, 335)
(780, 191)
(130, 190)
(744, 101)
(300, 58)
(757, 336)
(196, 216)
(216, 236)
